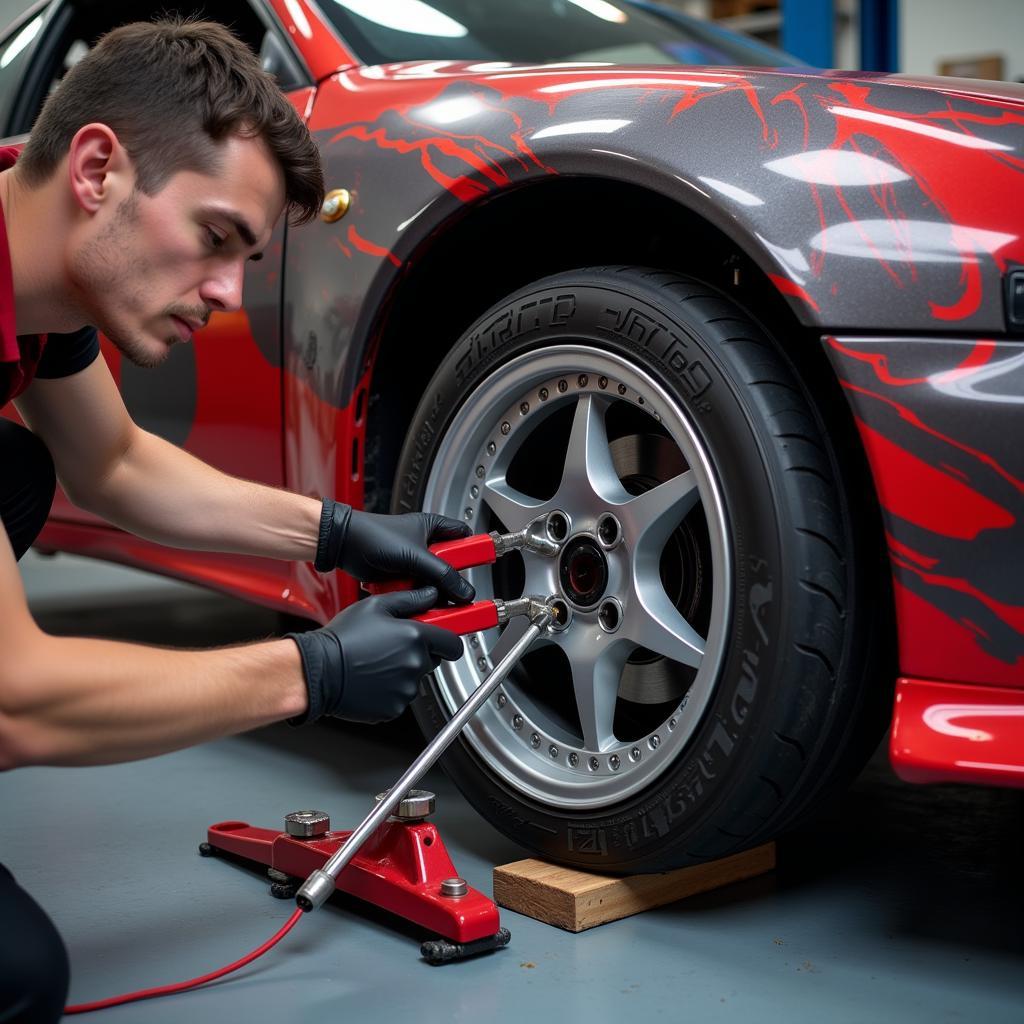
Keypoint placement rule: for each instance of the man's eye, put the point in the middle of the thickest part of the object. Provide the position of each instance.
(215, 241)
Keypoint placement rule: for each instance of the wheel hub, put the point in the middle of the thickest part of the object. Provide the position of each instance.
(583, 572)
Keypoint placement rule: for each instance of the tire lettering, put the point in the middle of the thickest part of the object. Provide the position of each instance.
(747, 688)
(760, 598)
(512, 322)
(588, 840)
(644, 330)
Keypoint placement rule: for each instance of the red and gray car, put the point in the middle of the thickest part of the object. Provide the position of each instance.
(751, 336)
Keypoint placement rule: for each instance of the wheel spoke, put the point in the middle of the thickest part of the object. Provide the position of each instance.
(514, 508)
(589, 469)
(657, 624)
(651, 517)
(595, 681)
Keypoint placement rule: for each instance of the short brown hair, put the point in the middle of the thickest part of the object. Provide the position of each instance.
(170, 90)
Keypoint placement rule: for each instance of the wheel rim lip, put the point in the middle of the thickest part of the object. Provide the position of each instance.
(505, 750)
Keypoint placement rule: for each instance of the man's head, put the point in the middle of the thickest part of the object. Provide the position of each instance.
(177, 154)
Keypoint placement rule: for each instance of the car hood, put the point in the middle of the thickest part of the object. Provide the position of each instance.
(496, 71)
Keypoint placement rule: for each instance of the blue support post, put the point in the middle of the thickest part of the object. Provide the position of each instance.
(879, 35)
(808, 31)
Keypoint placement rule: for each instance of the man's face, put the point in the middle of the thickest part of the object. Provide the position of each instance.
(153, 268)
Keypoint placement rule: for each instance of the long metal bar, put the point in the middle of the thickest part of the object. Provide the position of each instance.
(321, 883)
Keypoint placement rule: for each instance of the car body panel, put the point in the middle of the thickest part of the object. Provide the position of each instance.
(941, 423)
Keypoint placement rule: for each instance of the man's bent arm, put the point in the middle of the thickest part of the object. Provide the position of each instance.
(113, 468)
(69, 701)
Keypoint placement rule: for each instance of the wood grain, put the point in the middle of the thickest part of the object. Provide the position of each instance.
(577, 900)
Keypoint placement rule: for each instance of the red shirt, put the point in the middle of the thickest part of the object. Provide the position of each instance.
(19, 357)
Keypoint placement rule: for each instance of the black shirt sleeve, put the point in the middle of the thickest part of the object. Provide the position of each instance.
(65, 354)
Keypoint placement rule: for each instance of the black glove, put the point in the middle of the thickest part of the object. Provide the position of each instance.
(374, 547)
(366, 663)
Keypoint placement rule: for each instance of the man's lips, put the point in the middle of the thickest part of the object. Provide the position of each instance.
(186, 328)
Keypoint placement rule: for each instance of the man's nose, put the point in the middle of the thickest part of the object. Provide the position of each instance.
(223, 291)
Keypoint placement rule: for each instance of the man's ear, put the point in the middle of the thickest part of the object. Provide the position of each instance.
(98, 166)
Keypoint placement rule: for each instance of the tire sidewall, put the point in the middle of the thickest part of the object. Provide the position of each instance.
(709, 782)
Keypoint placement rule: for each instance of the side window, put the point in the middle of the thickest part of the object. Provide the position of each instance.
(66, 43)
(14, 55)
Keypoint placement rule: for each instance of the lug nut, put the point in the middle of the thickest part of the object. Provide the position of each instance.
(574, 759)
(610, 615)
(560, 615)
(594, 764)
(609, 532)
(556, 525)
(517, 721)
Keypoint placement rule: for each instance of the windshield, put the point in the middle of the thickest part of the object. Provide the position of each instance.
(538, 32)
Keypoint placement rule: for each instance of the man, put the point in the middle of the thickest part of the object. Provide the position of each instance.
(153, 173)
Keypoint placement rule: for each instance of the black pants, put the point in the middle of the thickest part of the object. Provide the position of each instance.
(33, 960)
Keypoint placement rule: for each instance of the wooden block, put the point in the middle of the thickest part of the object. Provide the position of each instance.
(577, 900)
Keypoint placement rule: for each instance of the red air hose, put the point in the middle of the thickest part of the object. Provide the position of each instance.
(182, 986)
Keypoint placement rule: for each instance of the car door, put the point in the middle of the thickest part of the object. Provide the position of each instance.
(220, 397)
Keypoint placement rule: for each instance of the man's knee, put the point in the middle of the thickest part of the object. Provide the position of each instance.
(27, 485)
(34, 979)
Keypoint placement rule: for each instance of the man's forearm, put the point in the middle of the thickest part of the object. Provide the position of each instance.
(78, 702)
(162, 493)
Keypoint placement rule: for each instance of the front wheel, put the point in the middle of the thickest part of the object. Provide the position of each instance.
(707, 682)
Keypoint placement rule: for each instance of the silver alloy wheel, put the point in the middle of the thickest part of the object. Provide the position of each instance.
(515, 736)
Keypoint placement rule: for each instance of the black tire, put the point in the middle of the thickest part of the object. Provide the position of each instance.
(800, 697)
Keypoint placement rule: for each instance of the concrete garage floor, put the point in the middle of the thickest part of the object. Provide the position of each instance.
(900, 904)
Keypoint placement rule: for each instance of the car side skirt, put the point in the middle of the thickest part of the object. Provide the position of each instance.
(951, 732)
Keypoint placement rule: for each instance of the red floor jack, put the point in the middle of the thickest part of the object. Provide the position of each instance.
(394, 858)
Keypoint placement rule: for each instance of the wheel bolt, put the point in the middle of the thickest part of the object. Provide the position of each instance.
(574, 759)
(535, 741)
(502, 700)
(491, 447)
(609, 532)
(654, 742)
(602, 382)
(524, 408)
(582, 380)
(557, 526)
(594, 764)
(543, 394)
(563, 386)
(610, 615)
(517, 721)
(622, 389)
(506, 427)
(614, 762)
(553, 750)
(634, 754)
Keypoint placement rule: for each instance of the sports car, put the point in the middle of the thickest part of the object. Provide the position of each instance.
(747, 341)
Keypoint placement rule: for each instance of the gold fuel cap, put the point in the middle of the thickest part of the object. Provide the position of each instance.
(335, 205)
